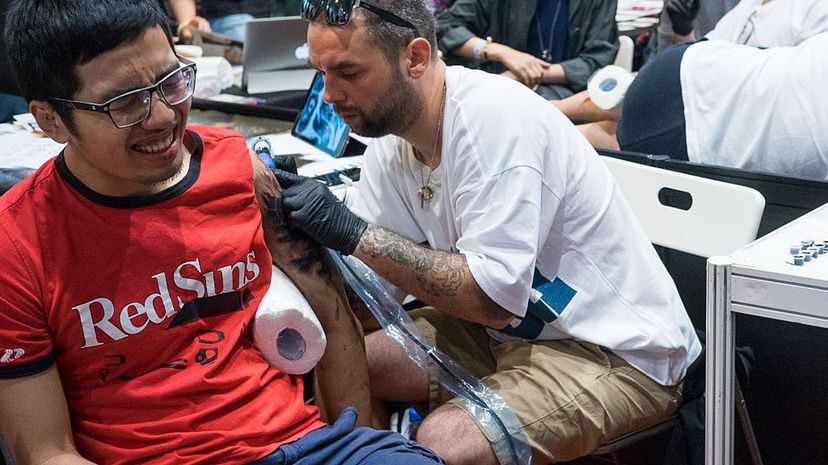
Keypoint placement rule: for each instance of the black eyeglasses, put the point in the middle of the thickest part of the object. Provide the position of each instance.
(133, 107)
(338, 12)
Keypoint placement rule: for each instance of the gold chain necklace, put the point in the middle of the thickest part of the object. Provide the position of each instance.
(425, 193)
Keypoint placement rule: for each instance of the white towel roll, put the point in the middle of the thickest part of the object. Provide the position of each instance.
(285, 328)
(608, 86)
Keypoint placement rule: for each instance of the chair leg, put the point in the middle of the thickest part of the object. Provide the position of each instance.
(747, 427)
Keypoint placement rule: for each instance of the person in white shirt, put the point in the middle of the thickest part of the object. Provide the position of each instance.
(733, 105)
(772, 23)
(760, 23)
(719, 102)
(765, 111)
(696, 17)
(537, 276)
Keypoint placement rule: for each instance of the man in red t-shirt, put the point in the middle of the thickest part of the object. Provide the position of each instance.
(133, 264)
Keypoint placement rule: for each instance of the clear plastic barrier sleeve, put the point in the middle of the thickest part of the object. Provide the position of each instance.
(494, 416)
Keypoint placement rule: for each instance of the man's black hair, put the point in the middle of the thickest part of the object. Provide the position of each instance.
(48, 39)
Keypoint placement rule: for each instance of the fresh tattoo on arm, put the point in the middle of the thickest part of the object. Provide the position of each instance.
(291, 251)
(438, 273)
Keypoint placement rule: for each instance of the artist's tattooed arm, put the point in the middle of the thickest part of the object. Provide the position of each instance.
(309, 266)
(440, 279)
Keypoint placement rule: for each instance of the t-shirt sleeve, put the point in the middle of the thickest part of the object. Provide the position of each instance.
(509, 174)
(26, 345)
(503, 221)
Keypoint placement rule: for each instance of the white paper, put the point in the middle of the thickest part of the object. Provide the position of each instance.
(20, 148)
(285, 328)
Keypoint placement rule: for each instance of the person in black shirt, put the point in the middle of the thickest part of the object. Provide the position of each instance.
(226, 17)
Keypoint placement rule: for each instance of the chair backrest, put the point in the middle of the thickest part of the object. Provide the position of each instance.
(712, 217)
(626, 50)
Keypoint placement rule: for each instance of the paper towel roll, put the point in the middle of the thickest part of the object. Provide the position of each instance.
(608, 86)
(285, 328)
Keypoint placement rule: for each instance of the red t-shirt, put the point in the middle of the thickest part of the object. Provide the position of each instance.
(145, 305)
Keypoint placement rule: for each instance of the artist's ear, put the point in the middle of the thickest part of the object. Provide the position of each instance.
(419, 57)
(49, 121)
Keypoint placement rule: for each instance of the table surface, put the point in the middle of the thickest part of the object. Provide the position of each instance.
(762, 280)
(772, 253)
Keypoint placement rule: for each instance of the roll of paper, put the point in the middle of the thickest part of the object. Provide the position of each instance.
(285, 328)
(608, 86)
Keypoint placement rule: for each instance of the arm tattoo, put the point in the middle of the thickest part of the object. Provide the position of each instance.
(438, 273)
(293, 252)
(305, 257)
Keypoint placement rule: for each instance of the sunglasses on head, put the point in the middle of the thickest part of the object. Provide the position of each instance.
(338, 12)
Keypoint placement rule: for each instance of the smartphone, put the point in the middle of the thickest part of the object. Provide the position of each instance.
(318, 124)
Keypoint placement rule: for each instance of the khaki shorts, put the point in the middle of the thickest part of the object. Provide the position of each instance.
(569, 396)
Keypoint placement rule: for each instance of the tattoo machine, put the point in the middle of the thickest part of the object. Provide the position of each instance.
(262, 148)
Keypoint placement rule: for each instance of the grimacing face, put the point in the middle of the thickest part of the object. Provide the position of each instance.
(372, 95)
(141, 159)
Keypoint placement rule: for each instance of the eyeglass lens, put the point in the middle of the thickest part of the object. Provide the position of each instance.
(135, 107)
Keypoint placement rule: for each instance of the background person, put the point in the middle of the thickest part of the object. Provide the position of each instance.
(554, 44)
(693, 18)
(772, 23)
(674, 98)
(759, 23)
(10, 102)
(732, 105)
(225, 17)
(526, 266)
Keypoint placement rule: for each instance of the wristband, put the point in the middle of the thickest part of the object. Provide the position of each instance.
(486, 48)
(477, 51)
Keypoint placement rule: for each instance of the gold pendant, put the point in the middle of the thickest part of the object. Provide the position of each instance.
(424, 194)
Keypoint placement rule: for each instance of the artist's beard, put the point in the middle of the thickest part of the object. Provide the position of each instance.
(395, 112)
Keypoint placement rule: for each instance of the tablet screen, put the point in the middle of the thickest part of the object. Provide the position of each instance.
(318, 124)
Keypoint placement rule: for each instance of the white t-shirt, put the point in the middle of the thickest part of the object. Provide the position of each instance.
(778, 23)
(525, 198)
(762, 110)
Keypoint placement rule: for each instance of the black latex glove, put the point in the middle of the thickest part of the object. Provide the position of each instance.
(309, 206)
(286, 163)
(682, 13)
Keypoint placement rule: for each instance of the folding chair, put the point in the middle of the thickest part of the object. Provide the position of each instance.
(626, 51)
(695, 215)
(689, 213)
